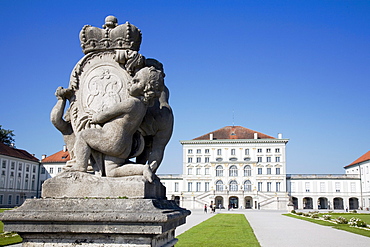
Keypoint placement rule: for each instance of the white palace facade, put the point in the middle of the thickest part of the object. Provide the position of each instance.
(241, 168)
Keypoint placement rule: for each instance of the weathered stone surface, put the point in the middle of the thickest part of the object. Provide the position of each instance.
(96, 222)
(85, 185)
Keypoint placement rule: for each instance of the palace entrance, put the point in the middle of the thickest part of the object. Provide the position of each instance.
(233, 202)
(248, 202)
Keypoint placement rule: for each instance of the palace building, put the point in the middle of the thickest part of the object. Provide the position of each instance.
(241, 168)
(19, 177)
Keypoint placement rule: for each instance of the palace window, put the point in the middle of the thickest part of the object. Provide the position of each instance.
(190, 151)
(12, 166)
(233, 185)
(198, 151)
(199, 160)
(190, 186)
(190, 171)
(246, 151)
(268, 150)
(353, 187)
(268, 186)
(259, 150)
(190, 160)
(219, 171)
(206, 151)
(259, 159)
(322, 186)
(277, 171)
(26, 184)
(247, 185)
(247, 171)
(206, 186)
(206, 171)
(232, 151)
(233, 171)
(197, 186)
(278, 186)
(268, 170)
(219, 152)
(277, 150)
(176, 186)
(20, 167)
(337, 186)
(277, 159)
(259, 186)
(307, 186)
(292, 187)
(259, 171)
(268, 159)
(198, 171)
(219, 185)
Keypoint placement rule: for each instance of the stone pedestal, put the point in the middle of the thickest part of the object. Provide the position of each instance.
(85, 185)
(119, 219)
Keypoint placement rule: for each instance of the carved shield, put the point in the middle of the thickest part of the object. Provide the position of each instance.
(100, 82)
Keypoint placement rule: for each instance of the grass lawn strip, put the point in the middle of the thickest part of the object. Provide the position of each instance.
(344, 227)
(7, 238)
(220, 230)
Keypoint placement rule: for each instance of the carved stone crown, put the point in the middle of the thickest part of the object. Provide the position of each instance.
(112, 36)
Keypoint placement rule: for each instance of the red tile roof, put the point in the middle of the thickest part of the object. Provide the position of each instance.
(61, 156)
(363, 158)
(233, 132)
(16, 153)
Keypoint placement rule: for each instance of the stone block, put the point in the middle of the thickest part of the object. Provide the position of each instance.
(85, 185)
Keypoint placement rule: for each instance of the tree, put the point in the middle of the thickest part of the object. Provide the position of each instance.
(6, 136)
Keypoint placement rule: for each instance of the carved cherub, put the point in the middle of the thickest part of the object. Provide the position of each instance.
(56, 117)
(118, 124)
(157, 125)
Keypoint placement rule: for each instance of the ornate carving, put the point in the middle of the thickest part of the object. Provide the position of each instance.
(118, 105)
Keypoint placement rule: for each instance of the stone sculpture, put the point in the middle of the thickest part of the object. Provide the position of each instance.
(118, 110)
(118, 105)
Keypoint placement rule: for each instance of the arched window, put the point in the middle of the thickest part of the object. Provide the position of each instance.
(233, 171)
(233, 185)
(247, 171)
(219, 185)
(219, 171)
(247, 185)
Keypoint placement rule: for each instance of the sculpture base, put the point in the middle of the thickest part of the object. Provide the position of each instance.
(96, 222)
(85, 185)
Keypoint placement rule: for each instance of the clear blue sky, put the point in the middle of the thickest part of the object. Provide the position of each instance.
(300, 68)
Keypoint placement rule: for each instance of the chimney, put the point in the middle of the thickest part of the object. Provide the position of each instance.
(211, 137)
(43, 156)
(280, 136)
(255, 135)
(64, 148)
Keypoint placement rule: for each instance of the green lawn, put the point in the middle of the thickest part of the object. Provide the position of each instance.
(344, 227)
(8, 238)
(220, 230)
